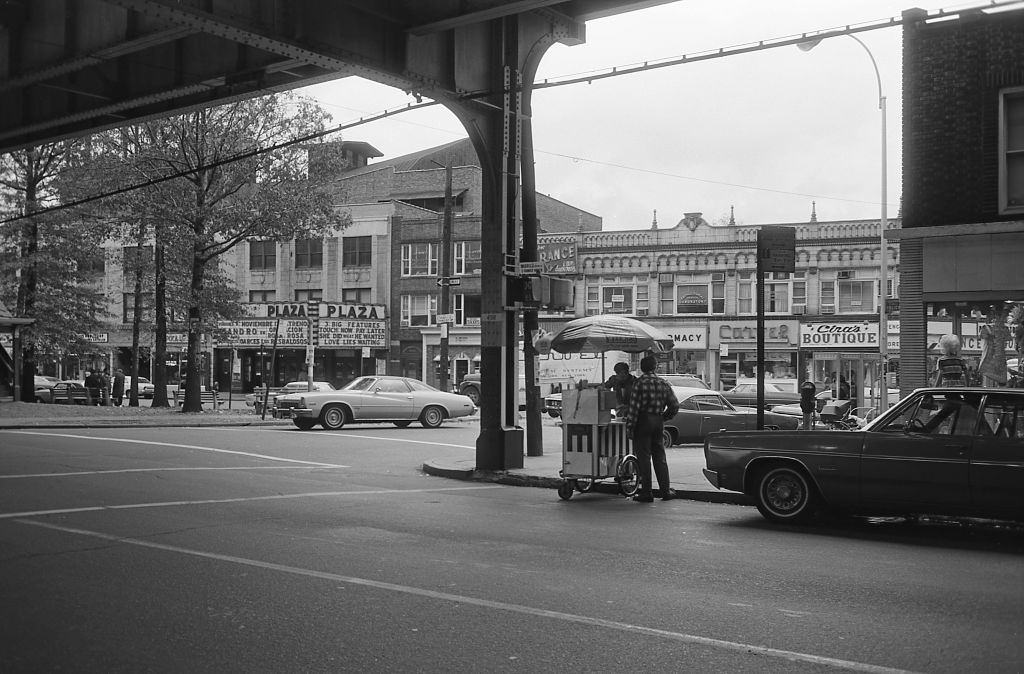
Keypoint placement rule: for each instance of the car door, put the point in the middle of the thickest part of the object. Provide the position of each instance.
(389, 399)
(997, 459)
(717, 415)
(921, 457)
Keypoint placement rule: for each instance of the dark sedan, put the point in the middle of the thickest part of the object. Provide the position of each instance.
(745, 395)
(702, 411)
(947, 451)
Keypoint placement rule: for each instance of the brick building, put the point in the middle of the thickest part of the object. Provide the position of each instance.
(962, 240)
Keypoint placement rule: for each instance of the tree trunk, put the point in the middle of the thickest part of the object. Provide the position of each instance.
(133, 396)
(159, 355)
(194, 367)
(27, 280)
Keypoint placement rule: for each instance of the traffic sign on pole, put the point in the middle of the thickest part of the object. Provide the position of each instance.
(448, 281)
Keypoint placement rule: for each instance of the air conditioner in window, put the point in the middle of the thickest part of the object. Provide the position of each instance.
(844, 273)
(828, 308)
(641, 312)
(799, 309)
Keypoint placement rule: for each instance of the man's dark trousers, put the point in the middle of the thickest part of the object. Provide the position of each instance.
(649, 445)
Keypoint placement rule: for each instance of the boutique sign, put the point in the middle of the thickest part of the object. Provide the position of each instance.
(839, 335)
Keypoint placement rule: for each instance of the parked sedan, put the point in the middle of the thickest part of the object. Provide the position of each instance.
(745, 395)
(146, 388)
(44, 388)
(950, 451)
(702, 411)
(400, 400)
(255, 399)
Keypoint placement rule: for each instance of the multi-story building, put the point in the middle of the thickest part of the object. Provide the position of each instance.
(962, 240)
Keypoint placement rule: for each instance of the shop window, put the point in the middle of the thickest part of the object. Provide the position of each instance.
(356, 295)
(356, 251)
(263, 255)
(419, 310)
(419, 259)
(467, 258)
(692, 298)
(262, 295)
(1011, 151)
(309, 253)
(309, 295)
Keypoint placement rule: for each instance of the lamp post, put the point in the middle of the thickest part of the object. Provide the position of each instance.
(883, 328)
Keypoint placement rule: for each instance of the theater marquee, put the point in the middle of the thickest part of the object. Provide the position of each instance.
(337, 325)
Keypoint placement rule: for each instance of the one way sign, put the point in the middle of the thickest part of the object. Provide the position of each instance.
(448, 281)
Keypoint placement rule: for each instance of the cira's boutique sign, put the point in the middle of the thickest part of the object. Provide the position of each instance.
(839, 335)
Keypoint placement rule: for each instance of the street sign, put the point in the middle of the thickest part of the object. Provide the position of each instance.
(530, 268)
(446, 318)
(449, 281)
(776, 249)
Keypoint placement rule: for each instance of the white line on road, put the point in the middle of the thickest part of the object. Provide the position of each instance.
(246, 499)
(792, 656)
(157, 470)
(171, 444)
(343, 435)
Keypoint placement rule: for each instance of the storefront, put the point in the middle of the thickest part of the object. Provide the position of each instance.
(735, 344)
(690, 355)
(844, 357)
(463, 353)
(991, 332)
(349, 340)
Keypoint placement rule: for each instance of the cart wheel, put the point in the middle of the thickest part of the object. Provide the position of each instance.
(629, 476)
(565, 490)
(584, 484)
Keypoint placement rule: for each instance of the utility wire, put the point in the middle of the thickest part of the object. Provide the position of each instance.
(544, 84)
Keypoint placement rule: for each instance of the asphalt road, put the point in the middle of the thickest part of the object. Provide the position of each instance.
(271, 549)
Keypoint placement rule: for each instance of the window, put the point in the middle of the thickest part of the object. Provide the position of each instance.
(465, 307)
(618, 295)
(745, 293)
(1004, 417)
(356, 251)
(776, 293)
(942, 414)
(128, 307)
(828, 297)
(356, 295)
(419, 310)
(856, 296)
(419, 259)
(309, 294)
(718, 293)
(263, 255)
(93, 263)
(262, 295)
(309, 253)
(799, 289)
(467, 257)
(1011, 151)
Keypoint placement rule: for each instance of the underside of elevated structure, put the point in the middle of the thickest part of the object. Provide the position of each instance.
(72, 67)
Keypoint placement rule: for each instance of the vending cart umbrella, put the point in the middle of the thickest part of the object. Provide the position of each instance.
(609, 332)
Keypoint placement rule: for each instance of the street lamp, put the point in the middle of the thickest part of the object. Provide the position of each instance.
(883, 329)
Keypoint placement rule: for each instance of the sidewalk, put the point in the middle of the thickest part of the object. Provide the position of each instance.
(685, 463)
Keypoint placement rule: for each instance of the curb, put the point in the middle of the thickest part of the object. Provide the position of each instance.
(185, 423)
(519, 480)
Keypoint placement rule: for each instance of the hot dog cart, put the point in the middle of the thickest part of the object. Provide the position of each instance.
(594, 446)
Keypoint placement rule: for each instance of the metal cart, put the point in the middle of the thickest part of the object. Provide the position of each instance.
(593, 446)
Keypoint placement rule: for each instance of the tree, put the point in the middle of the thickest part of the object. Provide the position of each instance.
(46, 257)
(221, 201)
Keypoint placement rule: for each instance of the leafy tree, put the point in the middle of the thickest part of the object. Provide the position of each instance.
(46, 258)
(221, 200)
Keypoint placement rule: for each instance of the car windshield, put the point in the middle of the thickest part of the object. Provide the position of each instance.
(711, 402)
(685, 380)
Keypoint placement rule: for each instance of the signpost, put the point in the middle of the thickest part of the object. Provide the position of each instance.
(776, 252)
(448, 281)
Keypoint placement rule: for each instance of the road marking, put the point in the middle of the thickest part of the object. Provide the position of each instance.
(156, 470)
(246, 499)
(750, 649)
(323, 434)
(171, 444)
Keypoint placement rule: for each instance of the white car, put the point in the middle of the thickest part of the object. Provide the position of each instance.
(255, 399)
(399, 400)
(146, 387)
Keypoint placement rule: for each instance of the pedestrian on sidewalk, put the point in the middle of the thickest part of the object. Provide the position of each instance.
(118, 388)
(651, 403)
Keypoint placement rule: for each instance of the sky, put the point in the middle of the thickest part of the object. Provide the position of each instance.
(770, 134)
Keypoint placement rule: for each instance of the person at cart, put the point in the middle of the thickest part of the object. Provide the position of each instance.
(622, 383)
(651, 403)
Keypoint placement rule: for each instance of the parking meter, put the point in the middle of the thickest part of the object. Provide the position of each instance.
(808, 403)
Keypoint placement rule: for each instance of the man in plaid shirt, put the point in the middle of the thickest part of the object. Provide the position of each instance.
(651, 403)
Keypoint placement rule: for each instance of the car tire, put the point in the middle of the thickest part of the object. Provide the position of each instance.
(668, 436)
(432, 417)
(333, 417)
(473, 393)
(784, 494)
(402, 424)
(304, 424)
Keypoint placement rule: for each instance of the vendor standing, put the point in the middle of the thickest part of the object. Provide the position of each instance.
(622, 383)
